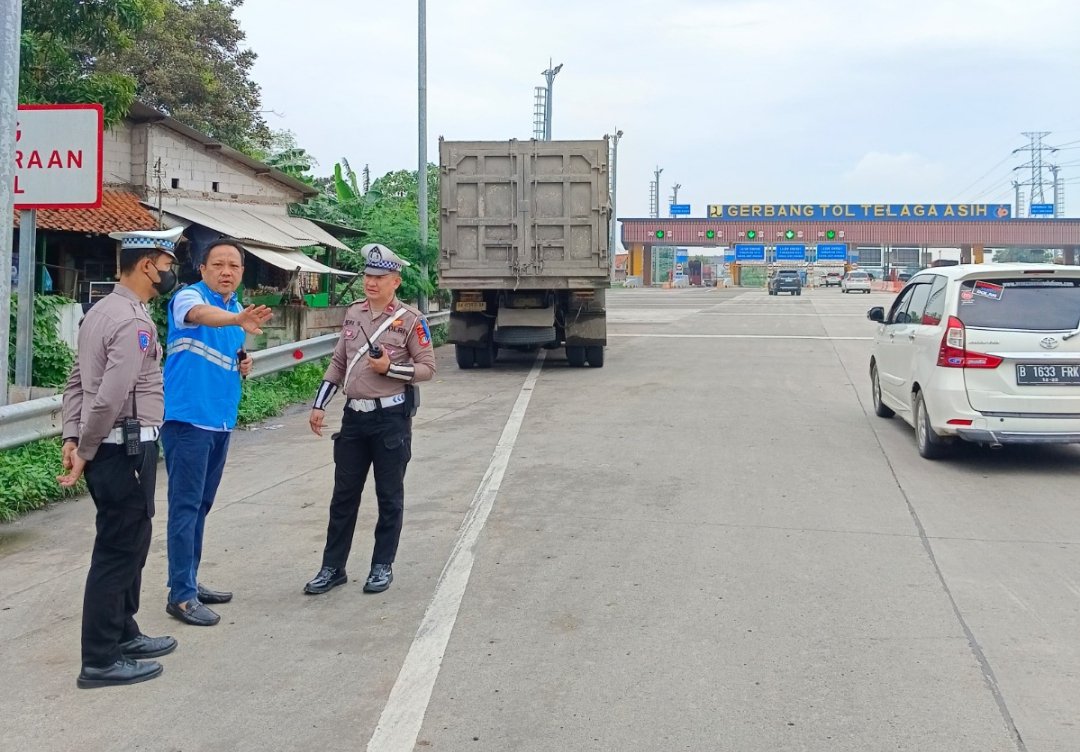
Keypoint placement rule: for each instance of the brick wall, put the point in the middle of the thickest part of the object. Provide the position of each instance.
(117, 155)
(191, 171)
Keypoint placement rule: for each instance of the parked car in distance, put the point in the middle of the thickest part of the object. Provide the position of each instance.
(981, 353)
(855, 281)
(831, 279)
(785, 280)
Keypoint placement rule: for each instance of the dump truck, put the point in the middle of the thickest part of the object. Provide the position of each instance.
(523, 247)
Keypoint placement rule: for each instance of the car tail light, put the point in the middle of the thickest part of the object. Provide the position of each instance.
(953, 352)
(959, 422)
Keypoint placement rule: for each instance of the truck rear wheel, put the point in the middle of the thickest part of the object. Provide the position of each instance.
(575, 356)
(595, 355)
(485, 355)
(465, 356)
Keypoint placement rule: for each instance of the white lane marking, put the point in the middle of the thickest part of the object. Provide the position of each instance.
(738, 336)
(402, 718)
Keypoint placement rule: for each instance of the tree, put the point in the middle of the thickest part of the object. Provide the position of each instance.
(62, 41)
(386, 214)
(1022, 255)
(190, 63)
(284, 153)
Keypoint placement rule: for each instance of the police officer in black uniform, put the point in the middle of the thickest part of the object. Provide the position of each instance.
(378, 381)
(114, 403)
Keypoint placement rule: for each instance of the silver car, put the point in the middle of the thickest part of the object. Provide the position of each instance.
(855, 282)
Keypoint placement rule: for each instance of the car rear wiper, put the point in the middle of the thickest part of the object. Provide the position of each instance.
(1071, 334)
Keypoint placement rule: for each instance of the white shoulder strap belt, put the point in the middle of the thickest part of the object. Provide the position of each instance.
(374, 338)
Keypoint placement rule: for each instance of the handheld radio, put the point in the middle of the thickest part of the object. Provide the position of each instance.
(373, 350)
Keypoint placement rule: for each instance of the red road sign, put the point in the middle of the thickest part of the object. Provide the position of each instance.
(59, 156)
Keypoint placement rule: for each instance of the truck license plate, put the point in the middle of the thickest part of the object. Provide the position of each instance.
(470, 305)
(1029, 374)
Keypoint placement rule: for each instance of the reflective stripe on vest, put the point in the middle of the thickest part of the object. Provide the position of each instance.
(203, 350)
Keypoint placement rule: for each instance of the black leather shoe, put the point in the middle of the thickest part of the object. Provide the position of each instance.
(193, 612)
(206, 595)
(124, 671)
(147, 647)
(327, 578)
(379, 579)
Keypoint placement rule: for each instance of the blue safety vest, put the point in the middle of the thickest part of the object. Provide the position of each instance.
(202, 374)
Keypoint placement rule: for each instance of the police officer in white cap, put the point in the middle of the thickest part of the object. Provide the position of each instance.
(376, 428)
(113, 408)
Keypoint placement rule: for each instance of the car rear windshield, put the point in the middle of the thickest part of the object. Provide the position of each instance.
(787, 273)
(1019, 303)
(858, 275)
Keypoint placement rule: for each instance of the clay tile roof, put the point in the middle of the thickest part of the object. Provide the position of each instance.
(120, 211)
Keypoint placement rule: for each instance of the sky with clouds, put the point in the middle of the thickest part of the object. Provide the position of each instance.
(739, 101)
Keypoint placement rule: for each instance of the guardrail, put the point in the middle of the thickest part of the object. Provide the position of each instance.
(24, 422)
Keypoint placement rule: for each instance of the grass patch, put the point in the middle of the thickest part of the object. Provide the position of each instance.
(28, 478)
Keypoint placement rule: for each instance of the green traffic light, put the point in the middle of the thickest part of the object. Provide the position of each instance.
(710, 234)
(789, 234)
(660, 234)
(751, 234)
(830, 234)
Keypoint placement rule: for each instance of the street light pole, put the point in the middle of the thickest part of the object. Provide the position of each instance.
(549, 75)
(612, 243)
(421, 174)
(10, 34)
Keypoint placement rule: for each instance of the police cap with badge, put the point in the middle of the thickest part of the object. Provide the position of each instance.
(162, 240)
(381, 260)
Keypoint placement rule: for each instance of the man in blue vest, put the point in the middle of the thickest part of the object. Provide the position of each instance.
(204, 364)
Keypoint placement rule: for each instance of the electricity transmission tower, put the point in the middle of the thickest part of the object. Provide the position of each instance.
(1037, 167)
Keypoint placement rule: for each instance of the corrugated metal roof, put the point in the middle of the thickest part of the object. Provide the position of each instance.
(268, 225)
(290, 260)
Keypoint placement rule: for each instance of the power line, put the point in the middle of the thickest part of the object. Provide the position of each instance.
(979, 179)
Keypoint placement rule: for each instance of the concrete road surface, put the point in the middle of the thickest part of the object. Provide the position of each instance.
(709, 544)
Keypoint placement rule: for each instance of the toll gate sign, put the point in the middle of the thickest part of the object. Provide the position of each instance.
(59, 156)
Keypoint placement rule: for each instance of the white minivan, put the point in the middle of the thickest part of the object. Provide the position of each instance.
(988, 353)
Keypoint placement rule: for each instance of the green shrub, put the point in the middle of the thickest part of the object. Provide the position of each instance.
(52, 357)
(268, 396)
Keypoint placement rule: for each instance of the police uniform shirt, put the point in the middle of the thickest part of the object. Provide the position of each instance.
(407, 343)
(118, 355)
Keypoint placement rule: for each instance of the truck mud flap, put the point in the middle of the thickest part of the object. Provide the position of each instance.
(472, 329)
(586, 329)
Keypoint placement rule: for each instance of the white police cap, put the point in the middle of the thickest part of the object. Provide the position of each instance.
(381, 260)
(163, 240)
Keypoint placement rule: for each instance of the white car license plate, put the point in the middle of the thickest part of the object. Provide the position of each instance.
(1029, 374)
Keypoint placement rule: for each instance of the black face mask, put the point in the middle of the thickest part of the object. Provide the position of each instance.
(166, 281)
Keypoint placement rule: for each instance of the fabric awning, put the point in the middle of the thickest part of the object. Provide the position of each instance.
(256, 223)
(289, 259)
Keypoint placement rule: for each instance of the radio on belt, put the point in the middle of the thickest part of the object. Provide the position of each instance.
(130, 431)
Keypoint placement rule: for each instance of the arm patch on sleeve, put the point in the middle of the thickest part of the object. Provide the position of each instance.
(423, 334)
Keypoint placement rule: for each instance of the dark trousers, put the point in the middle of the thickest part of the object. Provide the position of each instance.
(383, 439)
(123, 491)
(195, 459)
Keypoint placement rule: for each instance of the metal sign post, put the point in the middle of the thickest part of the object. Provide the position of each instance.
(24, 328)
(10, 35)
